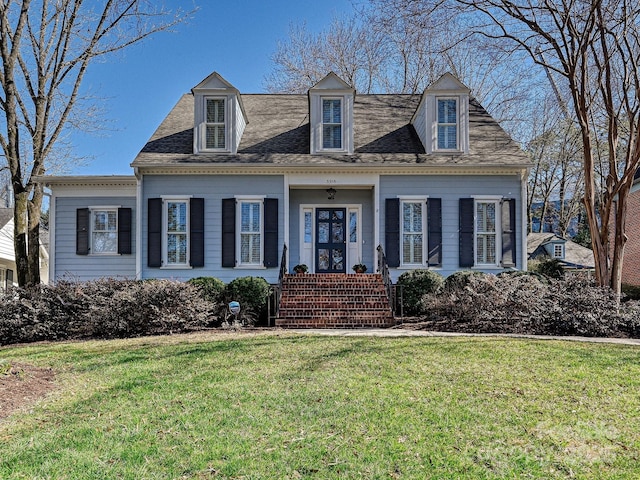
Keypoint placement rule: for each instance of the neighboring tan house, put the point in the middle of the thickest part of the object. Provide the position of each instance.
(572, 255)
(7, 253)
(229, 179)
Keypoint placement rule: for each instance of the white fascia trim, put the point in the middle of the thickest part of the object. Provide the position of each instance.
(412, 197)
(487, 197)
(286, 233)
(52, 238)
(249, 197)
(176, 197)
(138, 250)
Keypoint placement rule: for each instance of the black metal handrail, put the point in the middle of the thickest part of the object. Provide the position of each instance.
(383, 268)
(276, 290)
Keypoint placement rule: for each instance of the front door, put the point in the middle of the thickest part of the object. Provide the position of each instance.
(330, 240)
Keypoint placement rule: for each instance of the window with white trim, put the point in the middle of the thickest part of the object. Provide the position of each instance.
(104, 231)
(447, 123)
(413, 226)
(486, 232)
(558, 250)
(332, 123)
(250, 231)
(176, 230)
(3, 279)
(215, 123)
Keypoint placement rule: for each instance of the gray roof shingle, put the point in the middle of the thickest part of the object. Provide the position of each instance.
(278, 134)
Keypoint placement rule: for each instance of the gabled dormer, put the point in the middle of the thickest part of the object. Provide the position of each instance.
(555, 247)
(442, 117)
(220, 118)
(331, 115)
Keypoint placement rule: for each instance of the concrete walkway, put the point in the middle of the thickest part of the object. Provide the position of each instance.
(400, 332)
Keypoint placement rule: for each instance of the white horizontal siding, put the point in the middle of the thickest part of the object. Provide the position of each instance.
(7, 251)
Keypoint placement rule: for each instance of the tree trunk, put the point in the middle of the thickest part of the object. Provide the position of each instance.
(20, 235)
(34, 210)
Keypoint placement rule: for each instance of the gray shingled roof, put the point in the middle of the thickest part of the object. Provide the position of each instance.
(278, 134)
(575, 255)
(6, 214)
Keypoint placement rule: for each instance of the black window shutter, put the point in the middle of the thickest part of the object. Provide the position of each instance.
(196, 232)
(124, 231)
(228, 232)
(434, 212)
(466, 232)
(82, 231)
(270, 253)
(9, 280)
(154, 233)
(392, 231)
(509, 232)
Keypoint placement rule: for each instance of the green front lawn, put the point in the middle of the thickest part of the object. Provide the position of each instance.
(295, 406)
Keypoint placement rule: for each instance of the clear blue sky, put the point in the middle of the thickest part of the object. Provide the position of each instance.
(140, 85)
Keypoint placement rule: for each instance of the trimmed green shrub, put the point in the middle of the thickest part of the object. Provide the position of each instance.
(631, 292)
(210, 288)
(253, 295)
(459, 280)
(549, 267)
(105, 309)
(415, 284)
(526, 304)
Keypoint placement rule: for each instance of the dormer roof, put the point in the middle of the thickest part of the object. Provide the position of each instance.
(214, 81)
(447, 83)
(332, 82)
(215, 84)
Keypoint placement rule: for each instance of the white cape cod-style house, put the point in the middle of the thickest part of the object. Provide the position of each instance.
(229, 179)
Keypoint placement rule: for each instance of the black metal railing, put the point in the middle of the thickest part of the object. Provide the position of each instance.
(276, 290)
(394, 294)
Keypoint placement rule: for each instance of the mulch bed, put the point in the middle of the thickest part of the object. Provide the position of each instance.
(22, 385)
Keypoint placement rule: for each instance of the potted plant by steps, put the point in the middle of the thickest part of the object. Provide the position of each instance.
(359, 268)
(300, 268)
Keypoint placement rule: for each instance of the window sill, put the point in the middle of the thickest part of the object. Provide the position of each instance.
(106, 254)
(488, 267)
(250, 267)
(176, 267)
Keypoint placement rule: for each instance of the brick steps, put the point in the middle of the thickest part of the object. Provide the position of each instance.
(334, 301)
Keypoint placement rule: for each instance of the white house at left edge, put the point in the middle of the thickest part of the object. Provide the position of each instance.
(229, 179)
(8, 269)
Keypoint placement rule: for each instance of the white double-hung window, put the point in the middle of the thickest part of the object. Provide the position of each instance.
(413, 225)
(486, 232)
(332, 123)
(447, 116)
(215, 123)
(176, 217)
(104, 230)
(250, 223)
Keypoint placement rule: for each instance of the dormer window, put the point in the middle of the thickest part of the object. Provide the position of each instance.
(331, 116)
(219, 117)
(215, 123)
(447, 117)
(558, 250)
(332, 123)
(442, 117)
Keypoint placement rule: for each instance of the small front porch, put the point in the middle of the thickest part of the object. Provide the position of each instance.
(334, 300)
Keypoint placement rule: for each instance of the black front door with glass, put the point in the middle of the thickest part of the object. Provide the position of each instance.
(330, 240)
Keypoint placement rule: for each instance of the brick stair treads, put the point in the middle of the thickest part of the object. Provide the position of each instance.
(334, 301)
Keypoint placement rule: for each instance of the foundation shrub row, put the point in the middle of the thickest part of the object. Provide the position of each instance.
(125, 308)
